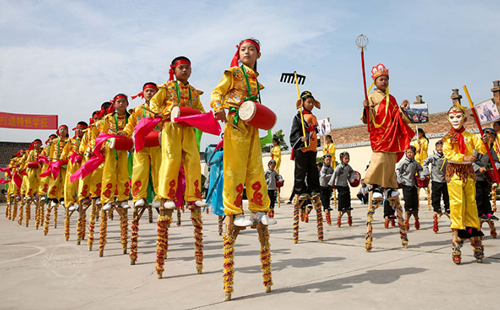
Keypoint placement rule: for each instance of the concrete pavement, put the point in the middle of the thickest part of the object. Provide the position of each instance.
(46, 272)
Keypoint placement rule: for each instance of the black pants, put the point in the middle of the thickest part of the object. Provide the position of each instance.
(272, 197)
(388, 210)
(411, 198)
(305, 166)
(325, 194)
(440, 190)
(483, 193)
(363, 198)
(344, 196)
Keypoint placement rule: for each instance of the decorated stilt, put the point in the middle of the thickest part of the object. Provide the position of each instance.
(66, 223)
(349, 219)
(13, 213)
(27, 216)
(228, 267)
(319, 218)
(369, 226)
(134, 238)
(221, 222)
(296, 211)
(37, 214)
(396, 205)
(55, 215)
(124, 228)
(435, 227)
(21, 213)
(339, 219)
(164, 221)
(80, 225)
(7, 210)
(47, 220)
(477, 244)
(103, 231)
(93, 213)
(456, 252)
(178, 216)
(265, 257)
(41, 212)
(150, 214)
(328, 217)
(198, 237)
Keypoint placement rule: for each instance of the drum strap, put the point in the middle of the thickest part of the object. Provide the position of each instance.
(178, 96)
(234, 110)
(116, 127)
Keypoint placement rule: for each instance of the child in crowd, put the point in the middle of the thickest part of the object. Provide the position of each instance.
(324, 177)
(439, 188)
(483, 187)
(363, 192)
(340, 181)
(271, 176)
(406, 172)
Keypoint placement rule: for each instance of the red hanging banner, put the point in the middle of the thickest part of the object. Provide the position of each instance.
(28, 121)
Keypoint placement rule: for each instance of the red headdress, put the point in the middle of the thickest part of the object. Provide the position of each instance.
(236, 57)
(177, 63)
(57, 132)
(147, 85)
(379, 70)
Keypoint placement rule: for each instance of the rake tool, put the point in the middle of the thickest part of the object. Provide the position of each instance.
(297, 79)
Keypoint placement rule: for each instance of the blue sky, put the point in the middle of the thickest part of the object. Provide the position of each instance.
(67, 57)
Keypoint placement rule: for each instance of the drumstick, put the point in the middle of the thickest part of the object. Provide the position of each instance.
(234, 126)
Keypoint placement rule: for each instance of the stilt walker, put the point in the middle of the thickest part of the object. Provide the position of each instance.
(239, 91)
(33, 179)
(384, 119)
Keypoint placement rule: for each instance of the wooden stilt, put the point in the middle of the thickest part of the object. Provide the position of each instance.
(47, 220)
(93, 214)
(123, 228)
(56, 209)
(164, 221)
(395, 204)
(198, 237)
(27, 216)
(494, 198)
(103, 231)
(265, 257)
(41, 212)
(316, 202)
(369, 227)
(134, 238)
(220, 224)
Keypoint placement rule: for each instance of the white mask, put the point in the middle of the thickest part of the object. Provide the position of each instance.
(456, 119)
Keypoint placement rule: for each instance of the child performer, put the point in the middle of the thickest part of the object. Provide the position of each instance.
(242, 152)
(422, 146)
(72, 150)
(324, 177)
(389, 135)
(276, 154)
(33, 173)
(406, 172)
(438, 177)
(44, 181)
(340, 179)
(271, 176)
(115, 172)
(178, 142)
(56, 187)
(483, 187)
(458, 147)
(329, 148)
(305, 157)
(149, 158)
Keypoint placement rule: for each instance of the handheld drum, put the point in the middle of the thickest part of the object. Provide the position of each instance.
(355, 179)
(280, 181)
(33, 165)
(121, 144)
(153, 139)
(490, 175)
(257, 115)
(182, 111)
(422, 182)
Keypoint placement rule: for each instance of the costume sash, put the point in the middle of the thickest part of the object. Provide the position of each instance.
(52, 169)
(142, 129)
(205, 122)
(75, 157)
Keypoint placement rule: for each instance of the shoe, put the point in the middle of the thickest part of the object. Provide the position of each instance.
(390, 193)
(62, 203)
(86, 202)
(98, 201)
(200, 203)
(73, 207)
(329, 209)
(53, 203)
(169, 204)
(484, 218)
(29, 198)
(263, 218)
(156, 204)
(304, 196)
(377, 194)
(289, 202)
(43, 199)
(124, 205)
(463, 234)
(140, 203)
(241, 221)
(314, 194)
(108, 206)
(493, 218)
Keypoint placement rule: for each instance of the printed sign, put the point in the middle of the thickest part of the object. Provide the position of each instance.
(27, 121)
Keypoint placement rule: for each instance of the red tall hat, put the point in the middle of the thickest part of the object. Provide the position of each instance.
(379, 70)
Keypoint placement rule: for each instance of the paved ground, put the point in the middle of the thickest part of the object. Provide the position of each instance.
(46, 272)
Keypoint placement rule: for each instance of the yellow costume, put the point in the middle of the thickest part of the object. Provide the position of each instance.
(13, 189)
(72, 146)
(148, 159)
(84, 149)
(422, 147)
(178, 142)
(22, 169)
(56, 187)
(96, 177)
(43, 186)
(329, 148)
(276, 155)
(33, 173)
(462, 181)
(242, 152)
(115, 178)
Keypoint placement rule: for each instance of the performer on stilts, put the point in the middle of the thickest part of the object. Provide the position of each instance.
(242, 159)
(439, 187)
(147, 164)
(305, 161)
(458, 147)
(390, 136)
(179, 148)
(43, 187)
(33, 169)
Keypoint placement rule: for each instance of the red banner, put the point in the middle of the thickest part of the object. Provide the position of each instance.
(27, 121)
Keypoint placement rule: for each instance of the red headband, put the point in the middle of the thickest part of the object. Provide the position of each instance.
(179, 62)
(118, 97)
(236, 58)
(141, 94)
(48, 140)
(80, 126)
(57, 132)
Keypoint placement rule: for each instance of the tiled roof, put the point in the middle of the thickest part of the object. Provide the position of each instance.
(8, 149)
